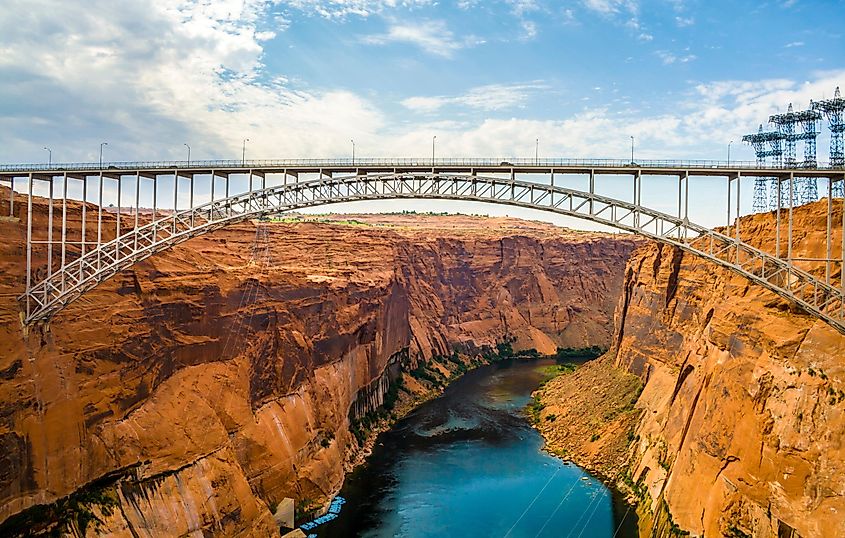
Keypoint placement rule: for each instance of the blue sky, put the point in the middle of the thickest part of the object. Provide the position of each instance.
(300, 78)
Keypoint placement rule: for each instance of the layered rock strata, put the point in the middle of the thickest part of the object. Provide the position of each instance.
(196, 390)
(739, 427)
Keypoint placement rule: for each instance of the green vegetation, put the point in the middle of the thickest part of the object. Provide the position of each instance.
(639, 489)
(594, 438)
(75, 511)
(591, 352)
(735, 532)
(534, 408)
(359, 427)
(305, 509)
(674, 529)
(421, 373)
(393, 393)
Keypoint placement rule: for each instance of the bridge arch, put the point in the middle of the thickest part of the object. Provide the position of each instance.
(47, 297)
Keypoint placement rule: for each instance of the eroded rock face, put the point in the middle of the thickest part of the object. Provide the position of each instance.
(743, 409)
(219, 376)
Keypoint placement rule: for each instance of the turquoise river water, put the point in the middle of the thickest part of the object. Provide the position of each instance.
(469, 464)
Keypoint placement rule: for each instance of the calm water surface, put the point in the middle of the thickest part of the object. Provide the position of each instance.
(469, 464)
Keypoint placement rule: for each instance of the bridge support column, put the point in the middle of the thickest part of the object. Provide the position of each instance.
(84, 225)
(738, 212)
(155, 194)
(791, 204)
(777, 219)
(137, 206)
(728, 224)
(175, 193)
(842, 265)
(686, 202)
(828, 230)
(117, 224)
(29, 244)
(191, 196)
(49, 231)
(99, 220)
(64, 227)
(592, 190)
(638, 186)
(12, 196)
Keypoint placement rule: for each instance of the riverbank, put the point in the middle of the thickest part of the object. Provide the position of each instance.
(595, 403)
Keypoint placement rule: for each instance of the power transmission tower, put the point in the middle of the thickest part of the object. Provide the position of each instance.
(765, 144)
(806, 190)
(834, 110)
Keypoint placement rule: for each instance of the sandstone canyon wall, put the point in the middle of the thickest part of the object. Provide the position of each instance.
(739, 429)
(196, 390)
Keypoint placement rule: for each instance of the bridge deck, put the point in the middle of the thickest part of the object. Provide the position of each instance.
(469, 166)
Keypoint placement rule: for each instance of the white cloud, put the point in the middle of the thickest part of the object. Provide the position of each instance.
(491, 97)
(149, 76)
(794, 44)
(340, 9)
(521, 7)
(669, 58)
(607, 7)
(529, 30)
(683, 22)
(433, 37)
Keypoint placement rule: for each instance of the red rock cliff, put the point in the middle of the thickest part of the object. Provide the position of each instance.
(742, 431)
(217, 378)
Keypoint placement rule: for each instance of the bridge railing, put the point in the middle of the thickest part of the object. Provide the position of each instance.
(396, 162)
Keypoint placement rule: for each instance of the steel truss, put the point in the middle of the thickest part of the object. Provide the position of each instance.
(50, 295)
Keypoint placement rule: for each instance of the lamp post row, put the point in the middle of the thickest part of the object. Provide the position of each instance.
(352, 140)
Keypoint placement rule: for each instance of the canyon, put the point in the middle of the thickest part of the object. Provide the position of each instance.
(720, 407)
(196, 391)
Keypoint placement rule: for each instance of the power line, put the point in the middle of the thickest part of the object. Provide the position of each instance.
(549, 481)
(557, 507)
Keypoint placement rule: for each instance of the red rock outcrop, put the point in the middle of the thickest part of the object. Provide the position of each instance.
(739, 427)
(217, 378)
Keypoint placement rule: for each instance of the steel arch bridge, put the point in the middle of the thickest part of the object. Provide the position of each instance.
(46, 297)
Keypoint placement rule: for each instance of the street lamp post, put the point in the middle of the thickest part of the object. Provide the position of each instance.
(49, 156)
(729, 153)
(433, 138)
(101, 152)
(537, 152)
(632, 149)
(353, 150)
(243, 152)
(189, 154)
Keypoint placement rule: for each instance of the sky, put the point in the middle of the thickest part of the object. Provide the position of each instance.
(302, 78)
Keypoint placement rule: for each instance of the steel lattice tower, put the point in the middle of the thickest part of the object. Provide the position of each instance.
(806, 189)
(834, 110)
(786, 127)
(758, 143)
(776, 152)
(765, 144)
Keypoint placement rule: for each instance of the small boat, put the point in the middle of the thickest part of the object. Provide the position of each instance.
(585, 478)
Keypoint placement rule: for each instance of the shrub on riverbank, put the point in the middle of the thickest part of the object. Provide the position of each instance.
(590, 352)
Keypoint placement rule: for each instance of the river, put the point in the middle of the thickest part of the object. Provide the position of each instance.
(469, 464)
